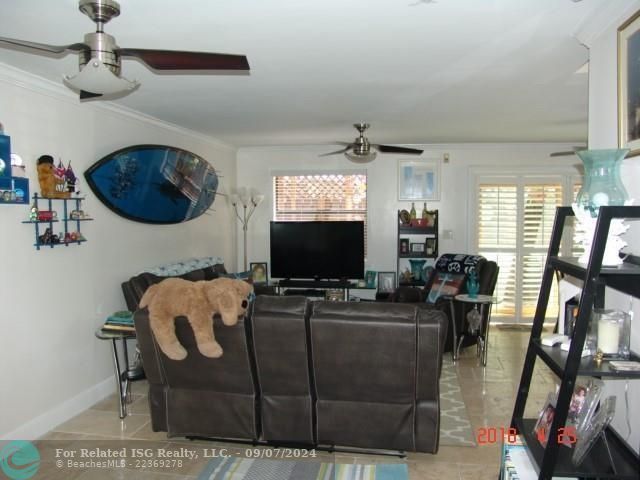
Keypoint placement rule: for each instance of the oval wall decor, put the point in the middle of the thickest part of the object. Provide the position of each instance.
(154, 183)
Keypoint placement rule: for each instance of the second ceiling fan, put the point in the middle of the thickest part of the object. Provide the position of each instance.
(362, 151)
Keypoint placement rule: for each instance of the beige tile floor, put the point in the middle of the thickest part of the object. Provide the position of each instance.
(488, 392)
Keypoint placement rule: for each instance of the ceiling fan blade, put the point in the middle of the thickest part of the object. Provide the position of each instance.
(392, 149)
(342, 150)
(43, 47)
(84, 95)
(567, 152)
(182, 60)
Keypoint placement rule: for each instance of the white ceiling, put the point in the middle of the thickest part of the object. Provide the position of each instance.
(420, 71)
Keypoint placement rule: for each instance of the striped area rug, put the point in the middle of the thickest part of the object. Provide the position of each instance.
(232, 468)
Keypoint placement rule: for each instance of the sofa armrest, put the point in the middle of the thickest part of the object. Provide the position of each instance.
(432, 333)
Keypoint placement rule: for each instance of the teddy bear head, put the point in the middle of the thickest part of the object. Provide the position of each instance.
(229, 297)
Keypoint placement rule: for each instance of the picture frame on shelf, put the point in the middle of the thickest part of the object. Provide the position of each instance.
(542, 427)
(594, 429)
(386, 282)
(404, 245)
(417, 248)
(418, 180)
(259, 273)
(431, 246)
(629, 85)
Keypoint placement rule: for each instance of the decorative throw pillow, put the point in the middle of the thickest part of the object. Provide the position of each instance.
(444, 285)
(458, 263)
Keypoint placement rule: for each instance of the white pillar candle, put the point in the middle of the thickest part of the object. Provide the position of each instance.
(608, 336)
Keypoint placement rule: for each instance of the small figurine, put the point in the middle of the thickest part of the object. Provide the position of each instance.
(70, 179)
(49, 182)
(33, 216)
(45, 238)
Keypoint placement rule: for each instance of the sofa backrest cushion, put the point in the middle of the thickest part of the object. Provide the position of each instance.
(364, 351)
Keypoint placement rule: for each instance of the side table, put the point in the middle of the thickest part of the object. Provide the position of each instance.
(482, 332)
(125, 376)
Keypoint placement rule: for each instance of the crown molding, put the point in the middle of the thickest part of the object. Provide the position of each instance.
(610, 15)
(34, 83)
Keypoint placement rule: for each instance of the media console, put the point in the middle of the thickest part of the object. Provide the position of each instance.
(313, 288)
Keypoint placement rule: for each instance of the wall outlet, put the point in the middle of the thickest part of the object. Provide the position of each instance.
(447, 234)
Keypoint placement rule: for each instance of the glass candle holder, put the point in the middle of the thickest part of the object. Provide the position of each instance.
(610, 333)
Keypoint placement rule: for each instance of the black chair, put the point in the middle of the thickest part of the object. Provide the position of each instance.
(463, 264)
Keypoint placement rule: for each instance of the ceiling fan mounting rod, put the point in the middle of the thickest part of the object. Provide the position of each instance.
(100, 11)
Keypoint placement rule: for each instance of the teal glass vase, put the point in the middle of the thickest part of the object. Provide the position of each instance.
(602, 185)
(473, 287)
(416, 269)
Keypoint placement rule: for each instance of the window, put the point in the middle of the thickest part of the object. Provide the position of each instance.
(515, 216)
(321, 196)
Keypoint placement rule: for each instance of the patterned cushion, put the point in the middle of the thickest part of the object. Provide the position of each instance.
(451, 270)
(184, 266)
(445, 284)
(458, 263)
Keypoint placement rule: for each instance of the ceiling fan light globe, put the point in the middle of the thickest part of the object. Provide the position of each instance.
(96, 77)
(361, 158)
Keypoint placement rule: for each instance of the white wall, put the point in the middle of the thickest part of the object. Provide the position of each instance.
(603, 133)
(52, 300)
(256, 166)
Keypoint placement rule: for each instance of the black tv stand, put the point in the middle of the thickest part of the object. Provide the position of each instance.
(313, 288)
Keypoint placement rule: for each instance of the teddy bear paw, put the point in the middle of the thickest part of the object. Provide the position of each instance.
(211, 349)
(176, 352)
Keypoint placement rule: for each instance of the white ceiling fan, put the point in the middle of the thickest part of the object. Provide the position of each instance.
(100, 56)
(362, 151)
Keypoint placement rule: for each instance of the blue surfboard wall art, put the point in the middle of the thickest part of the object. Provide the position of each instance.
(154, 183)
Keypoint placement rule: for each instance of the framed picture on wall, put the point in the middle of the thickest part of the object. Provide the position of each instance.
(418, 180)
(629, 85)
(259, 273)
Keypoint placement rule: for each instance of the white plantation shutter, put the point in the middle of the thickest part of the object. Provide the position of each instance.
(497, 239)
(515, 217)
(330, 196)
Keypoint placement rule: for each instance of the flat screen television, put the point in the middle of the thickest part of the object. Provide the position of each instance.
(332, 250)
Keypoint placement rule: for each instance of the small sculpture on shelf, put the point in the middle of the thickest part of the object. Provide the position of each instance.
(50, 183)
(33, 215)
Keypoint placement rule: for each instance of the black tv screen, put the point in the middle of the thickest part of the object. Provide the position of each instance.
(317, 250)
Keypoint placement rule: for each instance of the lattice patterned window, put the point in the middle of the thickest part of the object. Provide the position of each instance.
(322, 196)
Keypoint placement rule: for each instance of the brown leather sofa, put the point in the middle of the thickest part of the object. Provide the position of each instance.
(334, 374)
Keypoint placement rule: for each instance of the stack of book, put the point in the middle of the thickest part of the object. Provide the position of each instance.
(119, 322)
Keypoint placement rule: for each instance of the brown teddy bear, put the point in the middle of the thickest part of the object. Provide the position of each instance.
(198, 301)
(48, 180)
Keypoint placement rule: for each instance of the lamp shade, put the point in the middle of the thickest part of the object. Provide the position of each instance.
(361, 158)
(96, 77)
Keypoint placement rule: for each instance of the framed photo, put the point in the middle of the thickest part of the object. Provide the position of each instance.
(370, 279)
(542, 428)
(386, 282)
(404, 245)
(418, 180)
(629, 85)
(596, 425)
(417, 248)
(431, 246)
(259, 273)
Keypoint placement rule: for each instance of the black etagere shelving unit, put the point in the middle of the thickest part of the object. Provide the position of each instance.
(611, 457)
(416, 234)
